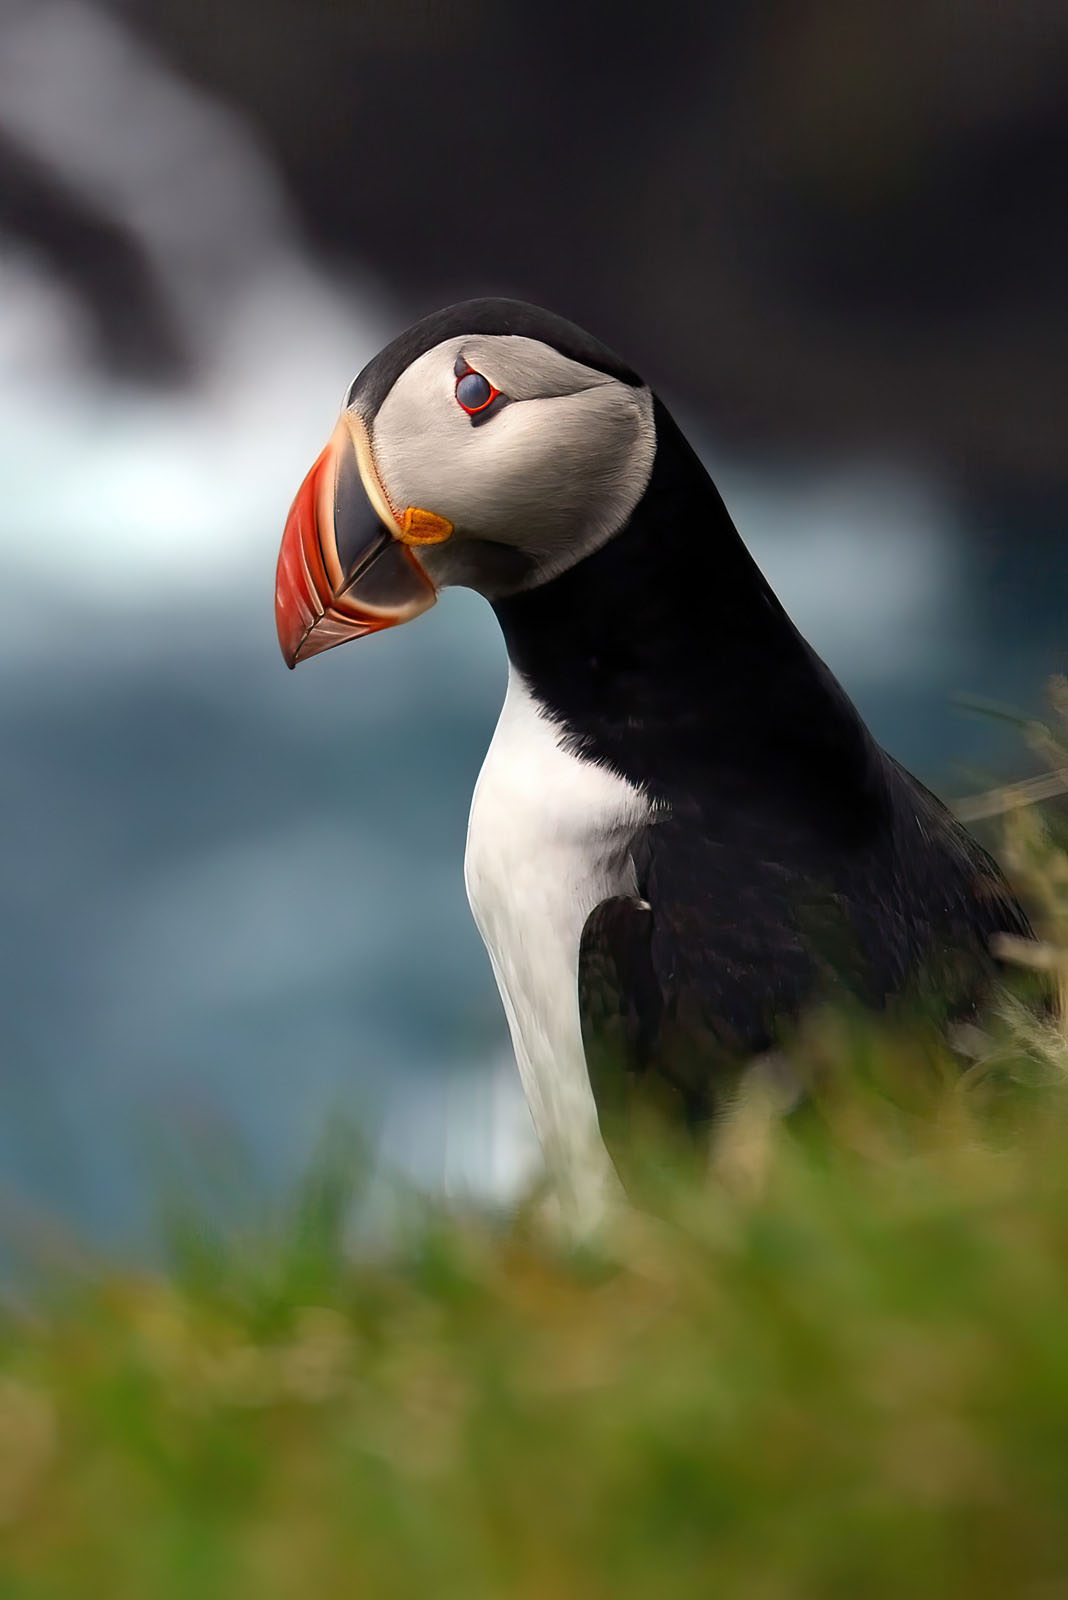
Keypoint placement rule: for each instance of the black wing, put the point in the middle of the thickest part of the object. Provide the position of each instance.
(678, 992)
(737, 931)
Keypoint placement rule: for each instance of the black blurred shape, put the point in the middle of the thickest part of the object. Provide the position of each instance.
(823, 224)
(135, 334)
(830, 222)
(980, 228)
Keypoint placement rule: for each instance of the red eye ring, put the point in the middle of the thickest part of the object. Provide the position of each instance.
(474, 392)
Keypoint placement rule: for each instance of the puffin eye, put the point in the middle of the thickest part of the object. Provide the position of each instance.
(474, 392)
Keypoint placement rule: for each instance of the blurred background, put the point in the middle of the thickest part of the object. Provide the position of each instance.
(832, 233)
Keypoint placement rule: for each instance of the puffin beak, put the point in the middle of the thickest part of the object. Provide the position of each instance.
(347, 566)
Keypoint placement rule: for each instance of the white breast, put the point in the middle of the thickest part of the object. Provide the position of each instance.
(548, 839)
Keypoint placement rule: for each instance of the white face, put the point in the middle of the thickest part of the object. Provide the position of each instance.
(552, 471)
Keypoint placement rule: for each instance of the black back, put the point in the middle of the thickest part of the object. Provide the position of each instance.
(791, 857)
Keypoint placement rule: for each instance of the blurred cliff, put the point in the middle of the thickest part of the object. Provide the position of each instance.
(816, 222)
(833, 235)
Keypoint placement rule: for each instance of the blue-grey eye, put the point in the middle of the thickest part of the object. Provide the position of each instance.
(474, 392)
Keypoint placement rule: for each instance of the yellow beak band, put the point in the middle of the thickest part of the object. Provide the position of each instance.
(423, 527)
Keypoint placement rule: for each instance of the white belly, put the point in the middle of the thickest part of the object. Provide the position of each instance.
(548, 839)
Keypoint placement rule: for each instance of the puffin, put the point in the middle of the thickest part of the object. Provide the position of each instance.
(684, 836)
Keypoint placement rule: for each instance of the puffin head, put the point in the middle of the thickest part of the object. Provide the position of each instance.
(492, 445)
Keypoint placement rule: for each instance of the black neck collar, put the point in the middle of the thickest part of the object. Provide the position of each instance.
(666, 655)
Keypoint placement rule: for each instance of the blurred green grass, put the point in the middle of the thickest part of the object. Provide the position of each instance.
(835, 1365)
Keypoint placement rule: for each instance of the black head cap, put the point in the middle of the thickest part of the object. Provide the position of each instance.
(484, 316)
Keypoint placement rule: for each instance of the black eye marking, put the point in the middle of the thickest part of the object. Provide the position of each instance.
(475, 394)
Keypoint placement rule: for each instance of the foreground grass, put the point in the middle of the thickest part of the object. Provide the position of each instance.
(836, 1366)
(846, 1374)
